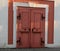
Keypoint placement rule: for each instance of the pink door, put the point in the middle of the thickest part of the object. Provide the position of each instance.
(23, 27)
(37, 27)
(30, 27)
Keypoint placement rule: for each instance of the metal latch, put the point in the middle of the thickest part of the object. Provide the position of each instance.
(36, 30)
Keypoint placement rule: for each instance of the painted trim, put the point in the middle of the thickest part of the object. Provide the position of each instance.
(15, 4)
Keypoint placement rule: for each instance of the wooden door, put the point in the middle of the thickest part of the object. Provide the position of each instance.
(37, 27)
(23, 27)
(30, 27)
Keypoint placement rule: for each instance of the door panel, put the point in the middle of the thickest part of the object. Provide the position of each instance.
(30, 27)
(43, 29)
(23, 27)
(37, 27)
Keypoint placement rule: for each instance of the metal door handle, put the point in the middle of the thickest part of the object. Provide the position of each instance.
(36, 30)
(25, 30)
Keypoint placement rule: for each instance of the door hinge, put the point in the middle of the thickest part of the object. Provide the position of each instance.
(19, 17)
(42, 17)
(42, 41)
(19, 42)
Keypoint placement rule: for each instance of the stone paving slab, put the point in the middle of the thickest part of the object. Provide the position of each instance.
(30, 49)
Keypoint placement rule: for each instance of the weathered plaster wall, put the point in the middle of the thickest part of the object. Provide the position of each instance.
(3, 22)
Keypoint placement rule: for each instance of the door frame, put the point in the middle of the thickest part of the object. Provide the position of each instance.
(15, 4)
